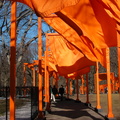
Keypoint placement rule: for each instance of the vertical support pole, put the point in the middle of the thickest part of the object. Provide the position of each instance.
(67, 88)
(118, 52)
(24, 79)
(40, 94)
(47, 83)
(48, 92)
(82, 84)
(13, 61)
(87, 94)
(71, 89)
(77, 90)
(34, 77)
(110, 114)
(119, 66)
(95, 86)
(113, 83)
(45, 78)
(24, 82)
(98, 106)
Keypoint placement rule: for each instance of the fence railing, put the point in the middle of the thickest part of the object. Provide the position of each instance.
(23, 94)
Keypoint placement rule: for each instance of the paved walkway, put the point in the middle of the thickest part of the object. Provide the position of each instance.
(69, 110)
(22, 113)
(62, 110)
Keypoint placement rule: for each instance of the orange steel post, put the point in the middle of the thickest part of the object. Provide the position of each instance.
(13, 61)
(24, 69)
(47, 84)
(77, 90)
(45, 78)
(36, 71)
(82, 85)
(48, 92)
(110, 114)
(119, 66)
(113, 85)
(34, 77)
(71, 89)
(95, 88)
(118, 52)
(67, 88)
(87, 94)
(98, 107)
(40, 94)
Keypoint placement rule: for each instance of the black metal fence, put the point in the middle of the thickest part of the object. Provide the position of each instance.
(34, 102)
(23, 94)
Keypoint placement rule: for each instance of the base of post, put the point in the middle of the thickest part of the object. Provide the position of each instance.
(98, 110)
(87, 104)
(41, 116)
(106, 118)
(77, 101)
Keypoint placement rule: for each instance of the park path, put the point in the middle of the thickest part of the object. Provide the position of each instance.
(62, 110)
(70, 109)
(23, 113)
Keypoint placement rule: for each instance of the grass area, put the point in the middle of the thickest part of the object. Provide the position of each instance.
(2, 107)
(19, 103)
(104, 103)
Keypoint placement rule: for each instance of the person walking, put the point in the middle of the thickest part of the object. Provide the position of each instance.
(54, 91)
(51, 93)
(61, 92)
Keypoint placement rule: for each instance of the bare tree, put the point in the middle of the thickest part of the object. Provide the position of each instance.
(26, 34)
(1, 3)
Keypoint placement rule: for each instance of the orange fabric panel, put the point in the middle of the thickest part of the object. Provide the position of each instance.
(112, 7)
(95, 23)
(51, 62)
(45, 7)
(77, 39)
(51, 65)
(82, 42)
(78, 73)
(68, 58)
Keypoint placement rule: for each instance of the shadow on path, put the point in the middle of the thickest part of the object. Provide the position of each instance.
(72, 110)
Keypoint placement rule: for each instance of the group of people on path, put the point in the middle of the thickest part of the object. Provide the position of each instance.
(54, 91)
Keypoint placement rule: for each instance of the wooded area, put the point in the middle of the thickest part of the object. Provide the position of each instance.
(27, 44)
